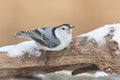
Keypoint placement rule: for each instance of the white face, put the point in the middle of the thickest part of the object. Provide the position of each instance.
(66, 29)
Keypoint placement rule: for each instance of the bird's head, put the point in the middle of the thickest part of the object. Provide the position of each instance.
(66, 28)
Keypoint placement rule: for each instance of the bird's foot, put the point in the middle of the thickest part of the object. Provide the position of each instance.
(45, 57)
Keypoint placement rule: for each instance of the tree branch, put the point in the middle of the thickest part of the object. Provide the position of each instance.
(80, 51)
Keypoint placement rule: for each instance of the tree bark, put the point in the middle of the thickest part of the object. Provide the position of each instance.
(103, 56)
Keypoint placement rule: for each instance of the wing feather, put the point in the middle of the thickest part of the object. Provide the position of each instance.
(44, 37)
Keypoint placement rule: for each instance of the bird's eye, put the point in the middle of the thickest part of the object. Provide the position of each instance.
(63, 28)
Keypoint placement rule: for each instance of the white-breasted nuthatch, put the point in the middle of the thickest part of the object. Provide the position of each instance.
(50, 38)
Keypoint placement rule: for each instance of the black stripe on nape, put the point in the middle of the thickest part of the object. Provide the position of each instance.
(43, 28)
(68, 25)
(65, 25)
(22, 31)
(38, 32)
(53, 32)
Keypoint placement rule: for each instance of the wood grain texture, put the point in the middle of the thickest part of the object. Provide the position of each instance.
(79, 51)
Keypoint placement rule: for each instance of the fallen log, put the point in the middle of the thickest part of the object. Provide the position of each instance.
(79, 51)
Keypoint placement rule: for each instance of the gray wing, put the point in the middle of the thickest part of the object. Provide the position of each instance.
(45, 36)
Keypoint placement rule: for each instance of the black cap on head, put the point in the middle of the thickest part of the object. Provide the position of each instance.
(65, 25)
(70, 26)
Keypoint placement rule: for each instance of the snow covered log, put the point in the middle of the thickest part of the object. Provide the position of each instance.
(83, 49)
(80, 51)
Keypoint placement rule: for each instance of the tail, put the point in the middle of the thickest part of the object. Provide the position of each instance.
(21, 34)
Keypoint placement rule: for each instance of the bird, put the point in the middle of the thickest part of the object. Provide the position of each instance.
(49, 38)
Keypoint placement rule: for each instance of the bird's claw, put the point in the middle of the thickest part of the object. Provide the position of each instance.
(45, 58)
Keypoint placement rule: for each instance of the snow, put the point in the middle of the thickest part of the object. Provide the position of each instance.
(39, 76)
(66, 75)
(66, 72)
(86, 74)
(101, 74)
(113, 76)
(99, 34)
(21, 48)
(96, 74)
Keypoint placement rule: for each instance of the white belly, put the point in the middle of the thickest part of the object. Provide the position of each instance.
(64, 43)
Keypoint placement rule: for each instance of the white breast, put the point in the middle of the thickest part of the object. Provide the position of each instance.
(65, 39)
(64, 43)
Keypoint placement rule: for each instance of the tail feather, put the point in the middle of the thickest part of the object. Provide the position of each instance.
(20, 34)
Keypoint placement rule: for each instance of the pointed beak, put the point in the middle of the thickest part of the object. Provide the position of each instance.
(72, 27)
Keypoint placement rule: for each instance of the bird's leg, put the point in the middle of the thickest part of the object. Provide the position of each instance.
(44, 56)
